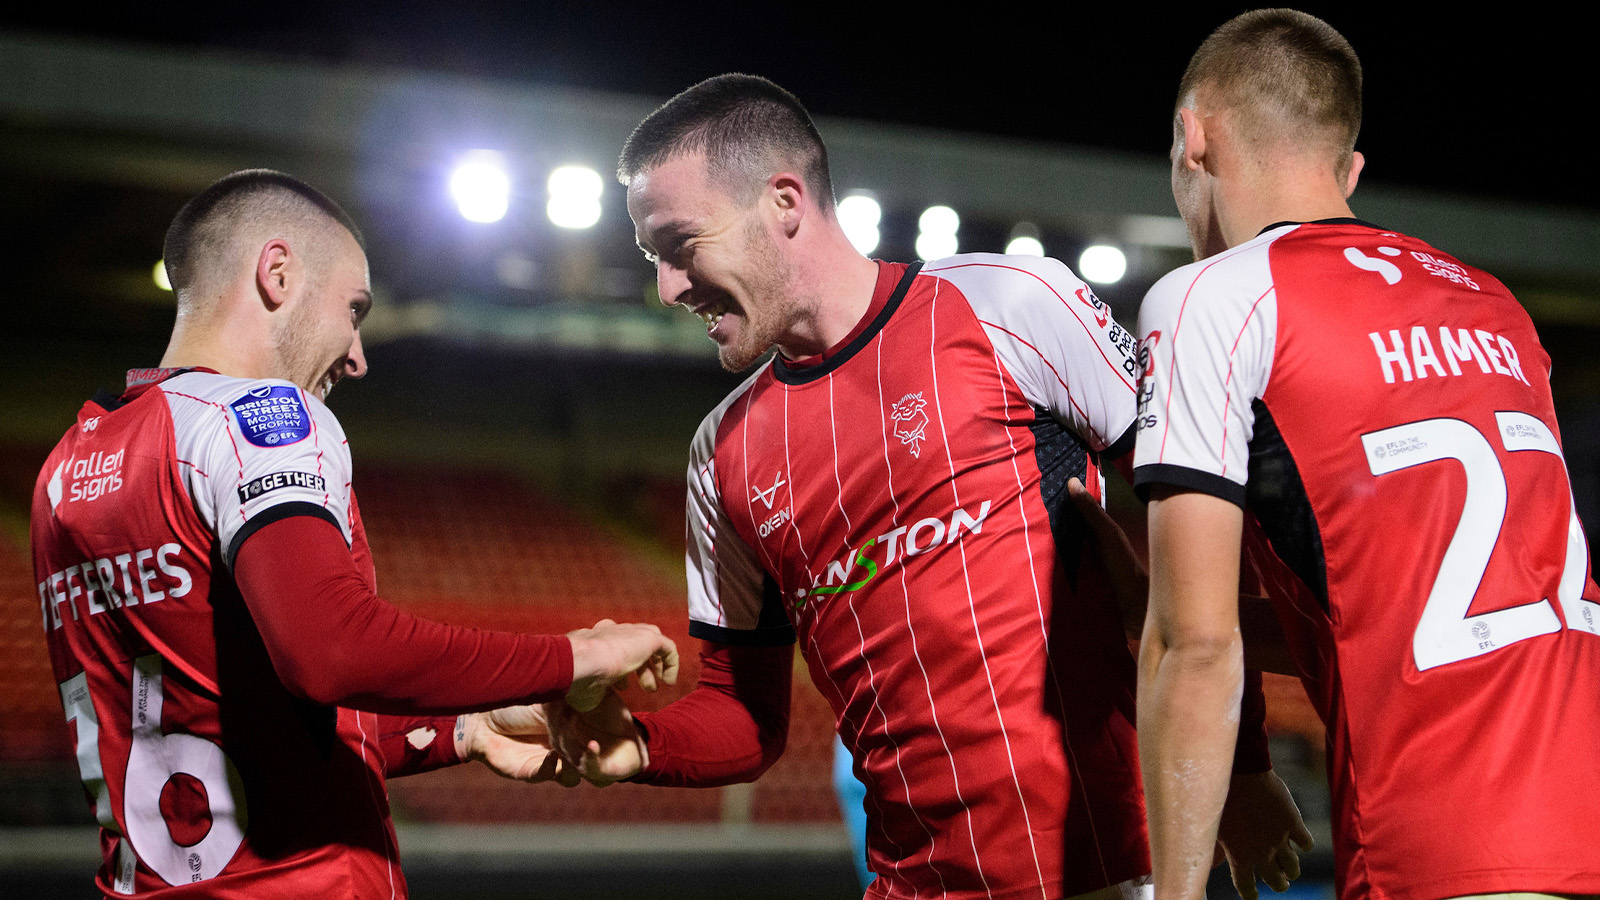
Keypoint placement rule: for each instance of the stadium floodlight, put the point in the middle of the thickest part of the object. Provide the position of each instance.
(574, 196)
(937, 232)
(1023, 245)
(481, 187)
(159, 275)
(1102, 264)
(1025, 240)
(859, 216)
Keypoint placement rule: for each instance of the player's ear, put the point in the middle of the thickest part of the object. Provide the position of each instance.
(272, 272)
(786, 197)
(1192, 151)
(1356, 162)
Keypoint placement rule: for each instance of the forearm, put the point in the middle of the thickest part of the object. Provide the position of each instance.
(730, 728)
(332, 641)
(1191, 674)
(1188, 724)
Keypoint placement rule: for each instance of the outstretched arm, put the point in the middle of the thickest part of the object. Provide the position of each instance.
(333, 641)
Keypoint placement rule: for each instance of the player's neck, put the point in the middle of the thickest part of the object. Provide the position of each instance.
(1244, 219)
(210, 345)
(838, 283)
(1281, 193)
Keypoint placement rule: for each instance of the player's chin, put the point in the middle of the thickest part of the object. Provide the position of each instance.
(737, 356)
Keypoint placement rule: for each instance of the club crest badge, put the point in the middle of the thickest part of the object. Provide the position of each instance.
(272, 416)
(910, 418)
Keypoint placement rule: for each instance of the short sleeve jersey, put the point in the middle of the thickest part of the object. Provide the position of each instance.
(204, 771)
(895, 507)
(1384, 413)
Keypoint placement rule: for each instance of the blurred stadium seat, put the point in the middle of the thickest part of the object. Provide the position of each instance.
(481, 547)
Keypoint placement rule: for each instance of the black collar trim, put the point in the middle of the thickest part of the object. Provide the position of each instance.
(107, 401)
(1339, 220)
(791, 375)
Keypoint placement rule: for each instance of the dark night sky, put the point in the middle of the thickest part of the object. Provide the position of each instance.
(1462, 104)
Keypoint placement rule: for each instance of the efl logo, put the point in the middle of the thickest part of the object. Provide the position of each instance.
(272, 416)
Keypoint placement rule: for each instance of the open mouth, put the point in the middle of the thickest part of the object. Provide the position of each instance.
(325, 386)
(712, 313)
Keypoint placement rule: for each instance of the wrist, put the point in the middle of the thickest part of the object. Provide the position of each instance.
(465, 735)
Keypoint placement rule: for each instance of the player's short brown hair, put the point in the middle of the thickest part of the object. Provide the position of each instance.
(748, 128)
(1281, 69)
(204, 226)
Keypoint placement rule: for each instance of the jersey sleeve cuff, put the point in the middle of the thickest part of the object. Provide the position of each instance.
(1188, 479)
(772, 636)
(274, 514)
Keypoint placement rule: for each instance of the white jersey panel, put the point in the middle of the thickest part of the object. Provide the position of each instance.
(1210, 330)
(1055, 337)
(725, 579)
(246, 446)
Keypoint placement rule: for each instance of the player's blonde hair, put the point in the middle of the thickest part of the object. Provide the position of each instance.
(1285, 76)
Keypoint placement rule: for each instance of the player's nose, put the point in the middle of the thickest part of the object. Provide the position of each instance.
(355, 364)
(672, 283)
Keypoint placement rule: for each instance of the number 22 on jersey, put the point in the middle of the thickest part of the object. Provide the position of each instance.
(1446, 633)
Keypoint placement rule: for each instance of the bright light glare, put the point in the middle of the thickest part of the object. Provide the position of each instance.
(1022, 245)
(859, 216)
(159, 275)
(481, 187)
(939, 220)
(938, 226)
(1102, 264)
(574, 196)
(935, 246)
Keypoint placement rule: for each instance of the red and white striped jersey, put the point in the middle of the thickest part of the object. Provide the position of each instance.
(895, 506)
(1384, 413)
(208, 777)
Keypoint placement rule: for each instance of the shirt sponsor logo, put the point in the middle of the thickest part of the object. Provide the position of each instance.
(910, 418)
(774, 522)
(1445, 269)
(1147, 382)
(86, 478)
(858, 568)
(266, 483)
(272, 416)
(1087, 298)
(768, 495)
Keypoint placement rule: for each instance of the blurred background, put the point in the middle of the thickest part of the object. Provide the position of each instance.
(520, 441)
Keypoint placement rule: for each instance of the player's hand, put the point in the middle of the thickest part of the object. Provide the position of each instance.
(602, 744)
(1129, 579)
(514, 741)
(1259, 831)
(608, 653)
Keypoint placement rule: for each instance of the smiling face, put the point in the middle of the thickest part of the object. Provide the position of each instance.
(319, 343)
(714, 256)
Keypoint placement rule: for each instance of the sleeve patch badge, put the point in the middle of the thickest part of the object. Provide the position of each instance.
(272, 416)
(266, 483)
